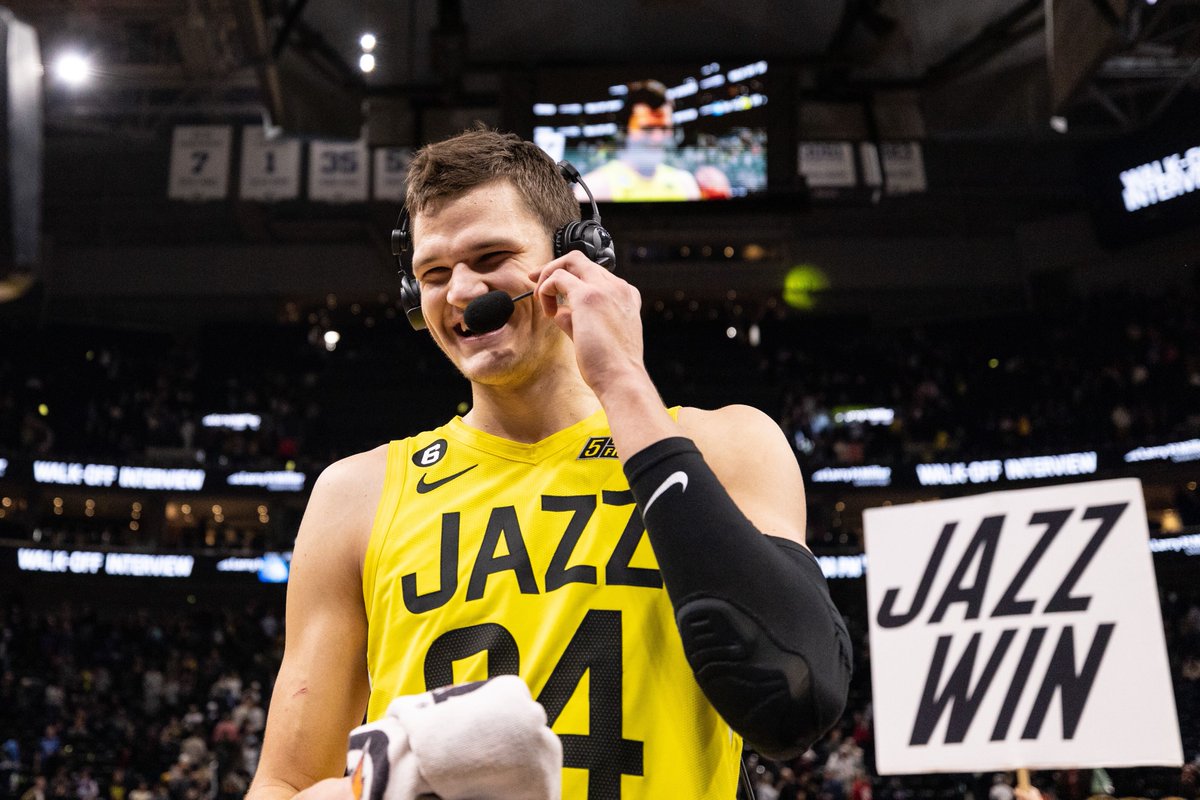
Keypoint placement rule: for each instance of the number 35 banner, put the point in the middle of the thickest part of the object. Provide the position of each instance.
(338, 172)
(1018, 629)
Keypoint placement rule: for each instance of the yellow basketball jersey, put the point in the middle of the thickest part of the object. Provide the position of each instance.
(667, 183)
(489, 557)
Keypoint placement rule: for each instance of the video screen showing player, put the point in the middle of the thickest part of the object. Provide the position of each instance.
(687, 135)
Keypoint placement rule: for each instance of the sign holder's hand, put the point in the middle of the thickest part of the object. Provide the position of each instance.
(1025, 790)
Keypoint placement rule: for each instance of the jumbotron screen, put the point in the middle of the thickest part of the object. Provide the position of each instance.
(662, 134)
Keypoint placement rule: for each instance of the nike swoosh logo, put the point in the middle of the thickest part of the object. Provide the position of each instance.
(423, 486)
(674, 479)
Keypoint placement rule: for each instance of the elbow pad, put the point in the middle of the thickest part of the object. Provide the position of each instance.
(766, 644)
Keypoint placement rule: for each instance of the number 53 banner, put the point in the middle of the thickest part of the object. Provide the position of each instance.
(1018, 629)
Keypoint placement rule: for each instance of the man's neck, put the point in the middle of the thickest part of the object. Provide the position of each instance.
(533, 411)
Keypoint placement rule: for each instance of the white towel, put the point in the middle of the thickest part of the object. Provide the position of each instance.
(480, 741)
(381, 764)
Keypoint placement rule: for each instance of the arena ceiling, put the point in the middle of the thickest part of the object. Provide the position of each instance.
(975, 65)
(971, 73)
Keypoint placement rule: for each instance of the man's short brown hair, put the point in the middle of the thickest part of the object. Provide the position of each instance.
(446, 170)
(651, 93)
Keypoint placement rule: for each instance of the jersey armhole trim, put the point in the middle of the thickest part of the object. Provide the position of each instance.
(389, 504)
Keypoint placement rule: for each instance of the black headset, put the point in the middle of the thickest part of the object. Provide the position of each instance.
(587, 236)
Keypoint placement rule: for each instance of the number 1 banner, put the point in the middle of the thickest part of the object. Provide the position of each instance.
(270, 168)
(1018, 629)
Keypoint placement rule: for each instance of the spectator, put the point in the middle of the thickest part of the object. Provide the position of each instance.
(37, 791)
(1001, 789)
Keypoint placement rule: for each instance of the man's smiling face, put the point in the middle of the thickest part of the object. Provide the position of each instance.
(484, 240)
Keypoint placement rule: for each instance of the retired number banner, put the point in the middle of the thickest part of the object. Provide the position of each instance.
(1018, 629)
(200, 162)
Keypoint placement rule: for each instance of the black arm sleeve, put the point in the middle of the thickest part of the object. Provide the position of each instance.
(760, 631)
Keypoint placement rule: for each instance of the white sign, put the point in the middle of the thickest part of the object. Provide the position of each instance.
(141, 565)
(904, 165)
(187, 480)
(280, 481)
(75, 474)
(902, 162)
(1161, 180)
(868, 475)
(1189, 545)
(828, 164)
(200, 162)
(836, 567)
(1018, 629)
(1013, 469)
(234, 422)
(871, 416)
(270, 168)
(337, 172)
(552, 141)
(270, 567)
(1178, 452)
(391, 172)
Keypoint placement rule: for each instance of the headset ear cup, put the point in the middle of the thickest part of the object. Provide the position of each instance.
(587, 237)
(601, 246)
(560, 237)
(410, 290)
(410, 301)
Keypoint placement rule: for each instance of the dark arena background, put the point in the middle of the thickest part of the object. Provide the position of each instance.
(957, 250)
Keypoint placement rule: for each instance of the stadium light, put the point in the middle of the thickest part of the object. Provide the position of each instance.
(367, 42)
(73, 69)
(366, 62)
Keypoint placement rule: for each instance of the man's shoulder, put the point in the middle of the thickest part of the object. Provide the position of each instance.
(728, 420)
(344, 498)
(349, 474)
(353, 469)
(738, 439)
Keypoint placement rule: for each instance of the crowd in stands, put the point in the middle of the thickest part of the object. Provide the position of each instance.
(159, 704)
(1112, 371)
(79, 393)
(1119, 370)
(139, 704)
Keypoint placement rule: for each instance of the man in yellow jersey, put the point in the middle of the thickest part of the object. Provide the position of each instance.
(639, 172)
(641, 568)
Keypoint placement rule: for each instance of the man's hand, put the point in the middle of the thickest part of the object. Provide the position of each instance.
(602, 315)
(479, 741)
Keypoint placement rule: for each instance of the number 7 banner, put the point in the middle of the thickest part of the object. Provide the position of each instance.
(200, 162)
(1018, 629)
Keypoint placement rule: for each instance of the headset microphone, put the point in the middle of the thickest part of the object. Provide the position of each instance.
(490, 311)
